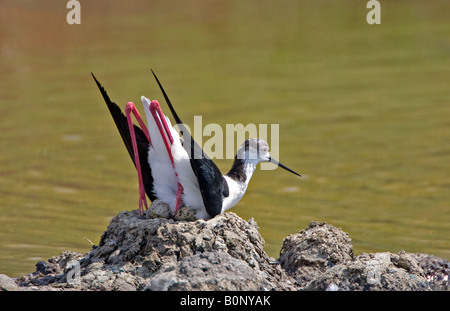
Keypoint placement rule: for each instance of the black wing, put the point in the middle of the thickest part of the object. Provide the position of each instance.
(213, 185)
(142, 143)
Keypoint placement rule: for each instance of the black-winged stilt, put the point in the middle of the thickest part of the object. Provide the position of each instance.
(176, 170)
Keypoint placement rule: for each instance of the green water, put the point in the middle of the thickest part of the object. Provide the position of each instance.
(363, 112)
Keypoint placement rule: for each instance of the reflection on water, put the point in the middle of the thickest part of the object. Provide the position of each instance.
(363, 113)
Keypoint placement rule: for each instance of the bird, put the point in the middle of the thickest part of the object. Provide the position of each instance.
(173, 168)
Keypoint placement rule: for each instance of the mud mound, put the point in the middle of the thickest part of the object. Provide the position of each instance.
(226, 253)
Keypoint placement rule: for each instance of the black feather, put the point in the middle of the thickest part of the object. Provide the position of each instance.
(142, 143)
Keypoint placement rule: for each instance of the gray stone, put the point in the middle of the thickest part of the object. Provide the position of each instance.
(374, 272)
(209, 271)
(312, 251)
(321, 258)
(7, 284)
(227, 253)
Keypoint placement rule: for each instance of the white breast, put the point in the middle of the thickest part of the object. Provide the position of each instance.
(237, 191)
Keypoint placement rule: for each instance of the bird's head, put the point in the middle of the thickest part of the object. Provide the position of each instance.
(257, 150)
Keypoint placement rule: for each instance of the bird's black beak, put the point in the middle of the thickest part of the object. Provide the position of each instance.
(282, 166)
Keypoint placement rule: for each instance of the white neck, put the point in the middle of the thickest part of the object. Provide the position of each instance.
(238, 179)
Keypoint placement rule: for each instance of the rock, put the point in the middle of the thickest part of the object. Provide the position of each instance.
(321, 258)
(136, 253)
(209, 271)
(7, 284)
(312, 251)
(436, 270)
(375, 272)
(227, 253)
(50, 272)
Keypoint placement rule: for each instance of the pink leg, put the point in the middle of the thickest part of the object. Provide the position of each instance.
(164, 130)
(131, 108)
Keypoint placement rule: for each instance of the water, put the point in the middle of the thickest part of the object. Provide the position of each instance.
(363, 114)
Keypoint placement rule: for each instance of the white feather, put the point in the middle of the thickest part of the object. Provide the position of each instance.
(164, 179)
